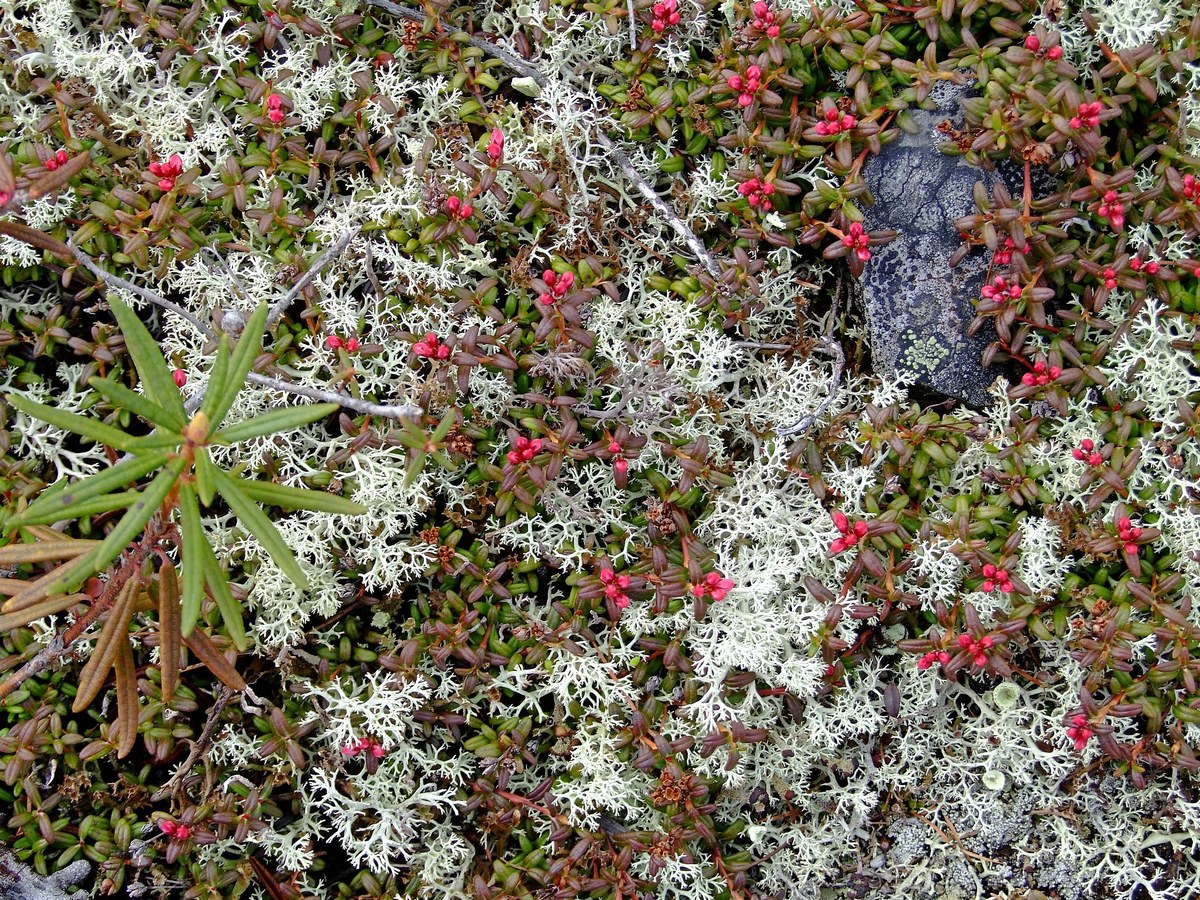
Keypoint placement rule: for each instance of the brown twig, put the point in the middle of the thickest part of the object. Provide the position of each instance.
(224, 696)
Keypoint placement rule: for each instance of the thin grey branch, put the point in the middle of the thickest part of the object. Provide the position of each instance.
(406, 411)
(327, 256)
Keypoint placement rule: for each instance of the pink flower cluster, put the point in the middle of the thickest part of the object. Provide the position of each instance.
(61, 158)
(1041, 375)
(757, 193)
(1110, 278)
(858, 241)
(746, 87)
(666, 12)
(1079, 731)
(1033, 45)
(333, 342)
(167, 172)
(715, 585)
(495, 147)
(1151, 267)
(1088, 114)
(933, 656)
(1190, 189)
(177, 831)
(1113, 209)
(620, 463)
(977, 648)
(1003, 256)
(430, 348)
(364, 745)
(455, 208)
(1086, 452)
(524, 450)
(275, 108)
(851, 534)
(1000, 291)
(764, 19)
(1128, 533)
(996, 578)
(558, 284)
(614, 587)
(834, 122)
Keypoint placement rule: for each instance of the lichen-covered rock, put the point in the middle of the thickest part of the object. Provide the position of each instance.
(918, 306)
(19, 882)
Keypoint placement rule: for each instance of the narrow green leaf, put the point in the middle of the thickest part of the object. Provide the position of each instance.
(151, 366)
(248, 347)
(276, 420)
(44, 551)
(194, 546)
(138, 404)
(231, 611)
(77, 424)
(53, 582)
(299, 498)
(256, 521)
(93, 507)
(218, 378)
(138, 514)
(204, 479)
(63, 495)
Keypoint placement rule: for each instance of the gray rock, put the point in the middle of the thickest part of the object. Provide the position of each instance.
(19, 882)
(918, 307)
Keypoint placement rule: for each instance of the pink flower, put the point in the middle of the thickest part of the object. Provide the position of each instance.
(1088, 115)
(180, 377)
(976, 648)
(1000, 291)
(995, 577)
(60, 158)
(1041, 375)
(430, 348)
(495, 147)
(1129, 534)
(851, 534)
(1003, 256)
(1079, 731)
(764, 19)
(1032, 44)
(524, 450)
(333, 342)
(167, 172)
(933, 656)
(746, 87)
(559, 286)
(615, 586)
(858, 241)
(714, 585)
(757, 193)
(1086, 452)
(666, 14)
(834, 122)
(456, 208)
(1112, 209)
(177, 831)
(1054, 53)
(1151, 267)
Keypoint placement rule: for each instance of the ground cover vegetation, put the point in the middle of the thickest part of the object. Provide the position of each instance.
(440, 454)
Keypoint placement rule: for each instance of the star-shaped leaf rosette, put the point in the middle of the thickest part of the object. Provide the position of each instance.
(183, 478)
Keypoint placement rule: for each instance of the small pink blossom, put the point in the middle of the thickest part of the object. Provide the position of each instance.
(167, 172)
(714, 585)
(851, 533)
(1088, 115)
(524, 450)
(976, 648)
(1086, 452)
(495, 147)
(1000, 291)
(559, 286)
(996, 578)
(857, 240)
(1079, 731)
(457, 209)
(1041, 375)
(430, 348)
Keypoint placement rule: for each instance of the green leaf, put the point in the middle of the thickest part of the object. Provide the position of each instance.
(204, 476)
(138, 514)
(231, 611)
(299, 498)
(138, 404)
(91, 507)
(276, 420)
(218, 379)
(81, 425)
(147, 357)
(256, 521)
(61, 496)
(194, 546)
(244, 354)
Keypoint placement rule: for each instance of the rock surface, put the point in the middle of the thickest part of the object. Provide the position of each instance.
(918, 307)
(19, 882)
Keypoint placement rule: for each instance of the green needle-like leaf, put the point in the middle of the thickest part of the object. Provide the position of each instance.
(91, 507)
(138, 515)
(231, 611)
(138, 404)
(60, 497)
(195, 544)
(299, 498)
(152, 368)
(218, 378)
(256, 521)
(81, 425)
(204, 476)
(244, 354)
(276, 420)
